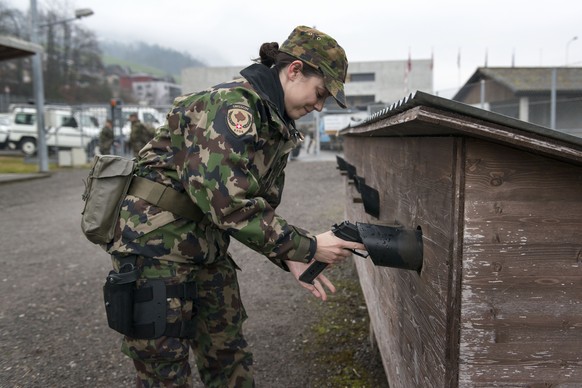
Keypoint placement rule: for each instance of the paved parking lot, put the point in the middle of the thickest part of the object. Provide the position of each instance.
(53, 330)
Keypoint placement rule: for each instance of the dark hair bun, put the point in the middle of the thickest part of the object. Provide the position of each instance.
(268, 52)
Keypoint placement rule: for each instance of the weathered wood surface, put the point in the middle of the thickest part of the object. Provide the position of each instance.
(499, 300)
(521, 316)
(414, 316)
(427, 121)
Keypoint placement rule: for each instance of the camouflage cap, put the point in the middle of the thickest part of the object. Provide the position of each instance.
(322, 52)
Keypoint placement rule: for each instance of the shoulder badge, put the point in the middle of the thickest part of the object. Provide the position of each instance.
(239, 119)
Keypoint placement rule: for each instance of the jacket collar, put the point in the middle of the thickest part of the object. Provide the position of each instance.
(267, 84)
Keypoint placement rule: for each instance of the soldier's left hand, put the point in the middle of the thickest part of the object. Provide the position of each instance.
(317, 288)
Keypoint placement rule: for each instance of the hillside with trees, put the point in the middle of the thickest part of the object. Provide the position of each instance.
(164, 61)
(75, 62)
(73, 69)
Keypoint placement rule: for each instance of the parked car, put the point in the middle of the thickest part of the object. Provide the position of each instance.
(4, 127)
(62, 129)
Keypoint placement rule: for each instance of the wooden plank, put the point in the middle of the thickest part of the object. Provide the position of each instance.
(409, 312)
(413, 177)
(404, 318)
(524, 222)
(536, 362)
(504, 174)
(431, 122)
(548, 260)
(521, 294)
(454, 300)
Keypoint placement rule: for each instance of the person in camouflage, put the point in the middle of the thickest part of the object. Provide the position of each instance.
(106, 138)
(139, 135)
(226, 148)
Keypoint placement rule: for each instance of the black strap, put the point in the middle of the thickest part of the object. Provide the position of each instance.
(185, 291)
(179, 329)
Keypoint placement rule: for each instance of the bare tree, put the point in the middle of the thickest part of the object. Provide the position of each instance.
(73, 68)
(13, 73)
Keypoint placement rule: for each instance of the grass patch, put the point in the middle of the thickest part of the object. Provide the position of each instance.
(340, 347)
(18, 165)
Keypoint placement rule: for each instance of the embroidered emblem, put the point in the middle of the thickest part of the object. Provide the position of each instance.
(239, 119)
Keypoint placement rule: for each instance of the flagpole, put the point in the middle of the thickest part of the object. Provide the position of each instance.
(407, 70)
(459, 67)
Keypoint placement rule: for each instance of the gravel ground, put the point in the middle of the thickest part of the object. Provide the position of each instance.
(53, 331)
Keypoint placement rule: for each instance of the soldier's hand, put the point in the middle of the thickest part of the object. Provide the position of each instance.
(332, 249)
(317, 288)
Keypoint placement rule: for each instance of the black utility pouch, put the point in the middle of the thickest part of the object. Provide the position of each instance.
(118, 294)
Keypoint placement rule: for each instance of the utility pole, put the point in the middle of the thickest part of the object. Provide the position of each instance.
(38, 88)
(553, 93)
(568, 49)
(38, 81)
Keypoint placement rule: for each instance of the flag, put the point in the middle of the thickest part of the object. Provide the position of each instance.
(432, 59)
(407, 71)
(459, 58)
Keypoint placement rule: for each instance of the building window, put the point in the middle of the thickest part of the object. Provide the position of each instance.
(361, 77)
(360, 101)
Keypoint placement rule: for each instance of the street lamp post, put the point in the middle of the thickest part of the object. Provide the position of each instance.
(568, 48)
(79, 13)
(38, 87)
(38, 82)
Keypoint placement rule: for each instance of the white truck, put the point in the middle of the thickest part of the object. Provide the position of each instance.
(4, 125)
(64, 129)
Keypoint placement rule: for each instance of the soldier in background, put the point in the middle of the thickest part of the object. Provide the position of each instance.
(311, 139)
(140, 134)
(106, 138)
(223, 151)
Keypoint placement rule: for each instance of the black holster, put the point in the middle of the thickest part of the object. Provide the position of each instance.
(142, 312)
(118, 296)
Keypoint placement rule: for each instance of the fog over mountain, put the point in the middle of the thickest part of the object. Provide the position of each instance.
(166, 59)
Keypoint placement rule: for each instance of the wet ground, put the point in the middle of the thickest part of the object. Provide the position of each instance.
(53, 331)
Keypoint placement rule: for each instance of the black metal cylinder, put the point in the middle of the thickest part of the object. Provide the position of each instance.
(393, 246)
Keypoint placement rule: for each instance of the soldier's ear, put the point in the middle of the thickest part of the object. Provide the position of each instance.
(295, 69)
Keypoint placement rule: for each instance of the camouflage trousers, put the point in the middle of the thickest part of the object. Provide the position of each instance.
(219, 347)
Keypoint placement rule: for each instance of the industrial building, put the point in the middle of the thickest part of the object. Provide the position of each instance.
(367, 83)
(370, 87)
(546, 96)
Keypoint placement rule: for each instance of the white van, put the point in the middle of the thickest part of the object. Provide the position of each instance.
(4, 128)
(62, 129)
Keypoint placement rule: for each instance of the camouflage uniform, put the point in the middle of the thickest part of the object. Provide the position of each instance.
(225, 147)
(105, 140)
(139, 136)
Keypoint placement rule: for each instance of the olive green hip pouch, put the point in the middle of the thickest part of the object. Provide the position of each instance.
(110, 179)
(105, 189)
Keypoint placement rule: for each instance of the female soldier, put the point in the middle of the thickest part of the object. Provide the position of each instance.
(224, 150)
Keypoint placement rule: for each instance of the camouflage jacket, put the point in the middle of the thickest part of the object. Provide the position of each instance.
(227, 148)
(106, 139)
(139, 136)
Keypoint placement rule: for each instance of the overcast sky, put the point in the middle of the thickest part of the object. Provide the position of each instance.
(228, 33)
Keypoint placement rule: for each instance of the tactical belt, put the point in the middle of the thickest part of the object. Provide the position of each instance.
(165, 198)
